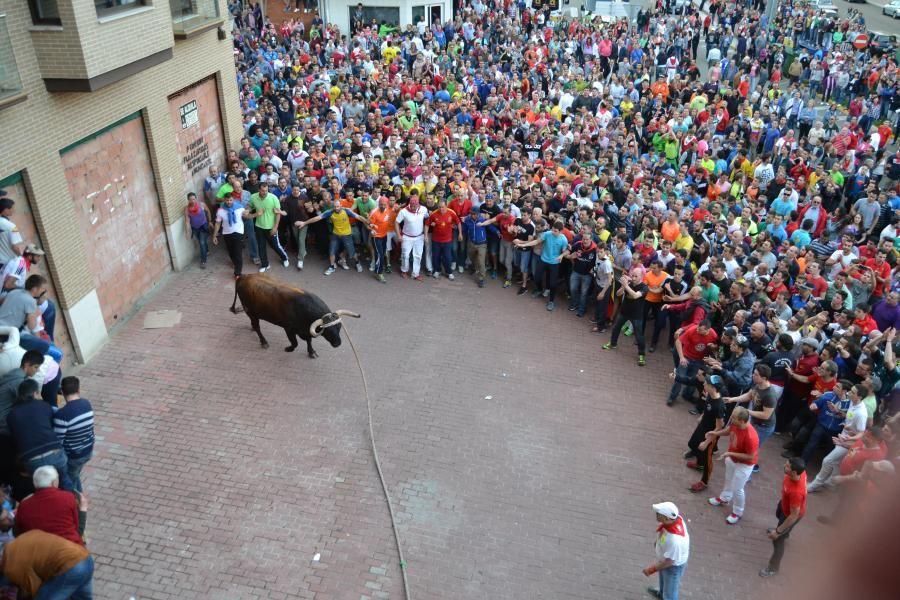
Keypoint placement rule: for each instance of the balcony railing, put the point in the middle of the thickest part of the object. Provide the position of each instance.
(10, 81)
(194, 16)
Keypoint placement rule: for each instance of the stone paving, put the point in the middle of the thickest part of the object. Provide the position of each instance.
(521, 458)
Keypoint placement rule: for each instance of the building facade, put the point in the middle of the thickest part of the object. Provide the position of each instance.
(110, 112)
(397, 12)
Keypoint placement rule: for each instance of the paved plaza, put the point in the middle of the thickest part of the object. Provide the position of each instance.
(521, 458)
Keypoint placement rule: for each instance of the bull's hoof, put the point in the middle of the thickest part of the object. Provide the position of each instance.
(290, 348)
(313, 354)
(265, 345)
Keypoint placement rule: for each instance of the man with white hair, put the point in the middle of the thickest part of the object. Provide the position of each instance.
(49, 508)
(673, 545)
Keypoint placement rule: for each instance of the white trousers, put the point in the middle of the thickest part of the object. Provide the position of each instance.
(736, 476)
(830, 467)
(414, 245)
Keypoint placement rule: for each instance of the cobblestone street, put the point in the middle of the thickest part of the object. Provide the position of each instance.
(522, 460)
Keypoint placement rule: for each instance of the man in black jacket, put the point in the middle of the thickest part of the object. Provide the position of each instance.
(9, 387)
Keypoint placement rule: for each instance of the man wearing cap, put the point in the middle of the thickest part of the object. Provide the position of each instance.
(412, 236)
(673, 546)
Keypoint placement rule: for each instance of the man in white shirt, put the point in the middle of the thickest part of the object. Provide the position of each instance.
(412, 236)
(672, 550)
(854, 428)
(11, 242)
(229, 218)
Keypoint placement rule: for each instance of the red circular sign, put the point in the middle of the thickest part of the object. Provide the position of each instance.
(861, 41)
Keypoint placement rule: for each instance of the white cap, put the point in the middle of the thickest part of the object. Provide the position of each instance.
(666, 509)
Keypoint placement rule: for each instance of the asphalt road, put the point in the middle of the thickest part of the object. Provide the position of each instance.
(872, 13)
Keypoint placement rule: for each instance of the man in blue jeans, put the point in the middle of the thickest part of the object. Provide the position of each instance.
(673, 546)
(48, 567)
(583, 255)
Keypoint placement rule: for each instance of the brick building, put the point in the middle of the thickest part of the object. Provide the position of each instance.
(110, 111)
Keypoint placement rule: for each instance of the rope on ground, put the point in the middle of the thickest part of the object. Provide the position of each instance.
(387, 495)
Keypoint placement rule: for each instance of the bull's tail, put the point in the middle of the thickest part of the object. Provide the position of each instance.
(234, 307)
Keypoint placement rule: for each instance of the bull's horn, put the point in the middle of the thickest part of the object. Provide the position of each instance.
(346, 313)
(314, 328)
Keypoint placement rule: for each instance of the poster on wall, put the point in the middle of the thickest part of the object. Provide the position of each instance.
(190, 116)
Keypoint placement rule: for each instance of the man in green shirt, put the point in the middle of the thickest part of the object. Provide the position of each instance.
(363, 206)
(266, 209)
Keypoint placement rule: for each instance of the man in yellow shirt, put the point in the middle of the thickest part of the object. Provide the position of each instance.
(341, 235)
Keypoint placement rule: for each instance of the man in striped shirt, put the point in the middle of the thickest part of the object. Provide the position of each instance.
(74, 425)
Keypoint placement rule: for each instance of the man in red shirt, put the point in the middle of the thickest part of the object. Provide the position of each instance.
(739, 460)
(795, 392)
(461, 205)
(49, 508)
(441, 224)
(789, 511)
(882, 271)
(690, 348)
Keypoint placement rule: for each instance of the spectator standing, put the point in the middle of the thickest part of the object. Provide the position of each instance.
(712, 418)
(11, 243)
(410, 228)
(789, 511)
(74, 425)
(739, 460)
(673, 548)
(633, 291)
(266, 209)
(196, 222)
(229, 220)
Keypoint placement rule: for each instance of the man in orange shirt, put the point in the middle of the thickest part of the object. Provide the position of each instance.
(441, 224)
(739, 460)
(790, 509)
(655, 278)
(381, 223)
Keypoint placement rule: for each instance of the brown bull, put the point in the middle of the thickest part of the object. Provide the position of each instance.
(301, 313)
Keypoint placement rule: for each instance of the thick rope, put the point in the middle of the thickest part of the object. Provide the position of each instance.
(387, 496)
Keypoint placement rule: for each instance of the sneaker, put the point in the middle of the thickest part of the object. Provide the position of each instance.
(756, 468)
(381, 278)
(299, 265)
(493, 274)
(203, 265)
(767, 572)
(264, 269)
(387, 268)
(716, 501)
(551, 305)
(451, 277)
(609, 346)
(522, 291)
(732, 519)
(535, 293)
(419, 278)
(330, 270)
(654, 592)
(572, 308)
(693, 464)
(436, 275)
(651, 349)
(697, 486)
(452, 266)
(812, 488)
(359, 268)
(462, 269)
(507, 283)
(546, 293)
(285, 263)
(256, 261)
(481, 283)
(372, 266)
(694, 411)
(641, 360)
(345, 266)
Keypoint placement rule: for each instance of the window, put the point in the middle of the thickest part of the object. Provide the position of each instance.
(190, 17)
(44, 12)
(10, 82)
(111, 7)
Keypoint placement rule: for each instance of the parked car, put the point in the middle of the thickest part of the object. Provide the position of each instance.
(881, 42)
(892, 9)
(823, 5)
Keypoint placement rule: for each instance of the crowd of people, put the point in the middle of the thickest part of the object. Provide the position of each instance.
(46, 436)
(696, 178)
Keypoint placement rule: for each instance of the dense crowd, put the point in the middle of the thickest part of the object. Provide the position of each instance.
(696, 178)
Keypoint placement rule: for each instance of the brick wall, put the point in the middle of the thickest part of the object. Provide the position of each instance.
(112, 186)
(201, 143)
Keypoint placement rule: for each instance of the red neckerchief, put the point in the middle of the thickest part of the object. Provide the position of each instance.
(677, 527)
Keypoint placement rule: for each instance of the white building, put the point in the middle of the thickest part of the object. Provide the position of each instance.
(402, 12)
